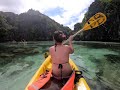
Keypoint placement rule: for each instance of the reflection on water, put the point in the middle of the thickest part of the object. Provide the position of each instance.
(98, 61)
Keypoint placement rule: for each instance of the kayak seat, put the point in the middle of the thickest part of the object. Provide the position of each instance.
(62, 84)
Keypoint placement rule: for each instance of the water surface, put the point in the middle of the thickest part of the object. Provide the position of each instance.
(100, 63)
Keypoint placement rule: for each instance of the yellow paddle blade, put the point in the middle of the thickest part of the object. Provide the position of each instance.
(95, 21)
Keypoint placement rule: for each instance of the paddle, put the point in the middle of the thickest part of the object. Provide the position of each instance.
(95, 21)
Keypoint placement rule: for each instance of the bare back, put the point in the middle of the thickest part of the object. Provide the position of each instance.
(60, 56)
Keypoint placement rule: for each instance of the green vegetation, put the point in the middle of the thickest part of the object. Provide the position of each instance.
(29, 26)
(110, 31)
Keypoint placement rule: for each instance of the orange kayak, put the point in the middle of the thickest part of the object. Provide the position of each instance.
(44, 80)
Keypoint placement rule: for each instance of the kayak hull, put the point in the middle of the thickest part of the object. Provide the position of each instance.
(47, 65)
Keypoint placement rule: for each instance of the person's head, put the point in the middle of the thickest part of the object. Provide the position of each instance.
(59, 36)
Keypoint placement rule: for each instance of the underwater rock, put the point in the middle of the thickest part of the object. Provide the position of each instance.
(113, 58)
(6, 55)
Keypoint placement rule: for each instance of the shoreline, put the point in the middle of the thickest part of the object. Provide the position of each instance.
(97, 42)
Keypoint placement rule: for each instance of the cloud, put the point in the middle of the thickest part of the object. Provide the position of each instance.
(10, 5)
(66, 12)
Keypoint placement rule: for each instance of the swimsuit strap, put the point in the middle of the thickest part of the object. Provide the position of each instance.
(60, 66)
(60, 63)
(55, 46)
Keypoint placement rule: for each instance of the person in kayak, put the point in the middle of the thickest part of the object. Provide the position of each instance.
(60, 56)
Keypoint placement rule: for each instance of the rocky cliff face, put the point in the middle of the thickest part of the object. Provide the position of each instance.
(110, 31)
(31, 25)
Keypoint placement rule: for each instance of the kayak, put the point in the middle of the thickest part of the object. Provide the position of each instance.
(43, 80)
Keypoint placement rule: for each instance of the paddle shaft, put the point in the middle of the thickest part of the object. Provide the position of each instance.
(74, 35)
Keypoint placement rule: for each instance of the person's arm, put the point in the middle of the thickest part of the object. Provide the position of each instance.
(70, 44)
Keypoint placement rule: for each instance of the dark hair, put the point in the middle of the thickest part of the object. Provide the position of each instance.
(58, 36)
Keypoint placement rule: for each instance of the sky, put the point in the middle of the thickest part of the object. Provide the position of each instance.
(65, 12)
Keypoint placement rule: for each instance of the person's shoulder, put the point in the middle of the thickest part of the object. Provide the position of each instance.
(69, 49)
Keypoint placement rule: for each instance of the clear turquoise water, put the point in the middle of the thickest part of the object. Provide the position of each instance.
(98, 61)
